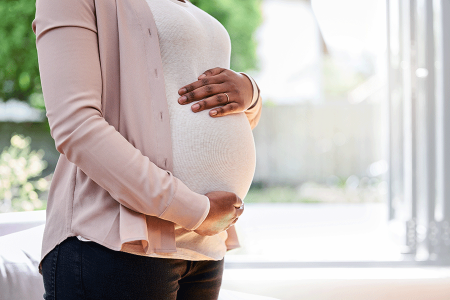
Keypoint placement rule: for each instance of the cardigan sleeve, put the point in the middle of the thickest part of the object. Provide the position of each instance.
(71, 79)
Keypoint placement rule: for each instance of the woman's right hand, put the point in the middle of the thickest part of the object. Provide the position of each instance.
(225, 209)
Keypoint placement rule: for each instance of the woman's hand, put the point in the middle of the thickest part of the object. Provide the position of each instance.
(209, 91)
(225, 209)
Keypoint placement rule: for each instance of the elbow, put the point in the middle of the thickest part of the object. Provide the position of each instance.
(72, 131)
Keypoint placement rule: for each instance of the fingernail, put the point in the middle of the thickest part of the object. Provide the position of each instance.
(182, 99)
(195, 106)
(214, 112)
(201, 76)
(182, 90)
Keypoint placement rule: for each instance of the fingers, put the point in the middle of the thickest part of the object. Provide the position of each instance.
(239, 211)
(224, 110)
(201, 82)
(217, 89)
(238, 202)
(211, 72)
(219, 101)
(202, 92)
(220, 104)
(239, 205)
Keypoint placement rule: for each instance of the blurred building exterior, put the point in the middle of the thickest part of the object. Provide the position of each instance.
(323, 80)
(304, 142)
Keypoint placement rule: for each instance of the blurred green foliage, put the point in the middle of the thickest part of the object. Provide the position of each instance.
(20, 186)
(241, 19)
(19, 71)
(276, 194)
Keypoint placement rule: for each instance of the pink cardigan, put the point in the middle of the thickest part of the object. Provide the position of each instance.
(108, 115)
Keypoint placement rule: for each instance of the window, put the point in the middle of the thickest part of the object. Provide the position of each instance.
(354, 133)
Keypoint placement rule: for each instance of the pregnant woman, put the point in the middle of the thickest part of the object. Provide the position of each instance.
(157, 151)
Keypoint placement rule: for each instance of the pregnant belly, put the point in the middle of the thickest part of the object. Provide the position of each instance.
(213, 154)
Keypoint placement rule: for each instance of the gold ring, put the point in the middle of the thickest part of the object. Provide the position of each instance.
(228, 98)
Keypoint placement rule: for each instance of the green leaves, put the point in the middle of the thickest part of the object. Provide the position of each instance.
(241, 19)
(18, 56)
(17, 166)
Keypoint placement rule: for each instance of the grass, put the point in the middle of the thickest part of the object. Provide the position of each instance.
(277, 194)
(311, 192)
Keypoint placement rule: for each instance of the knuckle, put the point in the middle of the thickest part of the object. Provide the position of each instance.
(221, 98)
(190, 88)
(228, 86)
(209, 89)
(205, 81)
(202, 104)
(222, 79)
(191, 95)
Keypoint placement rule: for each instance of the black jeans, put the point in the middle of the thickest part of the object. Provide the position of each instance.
(86, 270)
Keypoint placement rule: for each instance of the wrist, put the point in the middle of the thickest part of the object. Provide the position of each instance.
(255, 94)
(205, 214)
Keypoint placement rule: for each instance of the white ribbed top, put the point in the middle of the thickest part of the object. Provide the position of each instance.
(209, 154)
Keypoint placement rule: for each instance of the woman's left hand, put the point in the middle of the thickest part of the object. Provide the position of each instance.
(210, 88)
